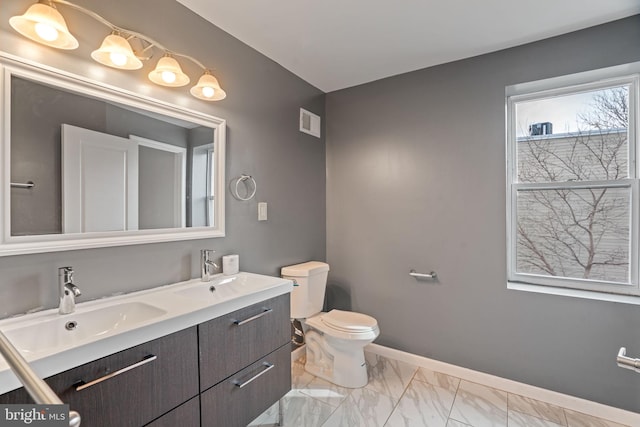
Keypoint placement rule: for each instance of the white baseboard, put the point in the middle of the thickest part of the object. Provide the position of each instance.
(564, 400)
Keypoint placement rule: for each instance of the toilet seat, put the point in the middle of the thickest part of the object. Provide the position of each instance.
(345, 324)
(348, 321)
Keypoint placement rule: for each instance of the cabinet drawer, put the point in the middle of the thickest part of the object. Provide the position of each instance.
(237, 406)
(234, 341)
(136, 396)
(185, 415)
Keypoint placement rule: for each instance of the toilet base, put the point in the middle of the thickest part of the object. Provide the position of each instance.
(339, 362)
(355, 378)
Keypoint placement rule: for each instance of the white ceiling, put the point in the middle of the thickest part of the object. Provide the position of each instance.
(334, 44)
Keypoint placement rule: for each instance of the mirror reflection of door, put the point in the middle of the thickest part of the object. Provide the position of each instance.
(99, 181)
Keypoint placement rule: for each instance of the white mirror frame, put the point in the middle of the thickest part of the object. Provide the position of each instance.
(15, 245)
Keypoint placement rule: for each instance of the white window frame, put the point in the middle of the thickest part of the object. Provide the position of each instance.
(628, 74)
(211, 185)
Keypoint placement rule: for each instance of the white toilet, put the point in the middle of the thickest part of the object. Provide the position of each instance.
(335, 340)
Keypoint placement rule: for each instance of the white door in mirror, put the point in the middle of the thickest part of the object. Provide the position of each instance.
(99, 181)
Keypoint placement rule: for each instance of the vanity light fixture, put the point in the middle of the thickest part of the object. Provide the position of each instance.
(168, 73)
(43, 23)
(208, 88)
(116, 52)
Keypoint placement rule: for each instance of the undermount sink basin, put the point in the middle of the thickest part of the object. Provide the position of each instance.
(226, 287)
(71, 329)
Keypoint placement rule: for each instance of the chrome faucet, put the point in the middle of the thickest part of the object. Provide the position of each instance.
(67, 290)
(207, 266)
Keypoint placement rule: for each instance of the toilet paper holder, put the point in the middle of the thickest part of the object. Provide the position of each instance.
(432, 275)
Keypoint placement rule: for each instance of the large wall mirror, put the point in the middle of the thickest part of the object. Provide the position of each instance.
(86, 165)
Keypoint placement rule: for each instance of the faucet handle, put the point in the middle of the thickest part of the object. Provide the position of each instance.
(67, 290)
(206, 253)
(66, 274)
(206, 264)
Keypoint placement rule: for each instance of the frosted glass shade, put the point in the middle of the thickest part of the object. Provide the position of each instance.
(208, 88)
(116, 52)
(44, 24)
(168, 73)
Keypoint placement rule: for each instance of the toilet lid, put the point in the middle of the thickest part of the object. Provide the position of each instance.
(349, 321)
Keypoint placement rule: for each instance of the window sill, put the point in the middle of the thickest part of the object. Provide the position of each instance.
(575, 293)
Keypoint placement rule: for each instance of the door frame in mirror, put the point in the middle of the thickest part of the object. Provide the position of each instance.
(11, 65)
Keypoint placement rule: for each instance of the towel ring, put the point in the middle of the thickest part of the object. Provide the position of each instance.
(244, 178)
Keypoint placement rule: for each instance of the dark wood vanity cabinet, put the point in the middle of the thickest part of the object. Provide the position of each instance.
(263, 382)
(163, 374)
(185, 415)
(245, 362)
(232, 342)
(188, 378)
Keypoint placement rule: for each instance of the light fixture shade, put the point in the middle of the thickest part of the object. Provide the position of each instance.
(44, 24)
(116, 52)
(168, 73)
(208, 88)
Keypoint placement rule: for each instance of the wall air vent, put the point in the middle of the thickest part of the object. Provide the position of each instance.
(309, 123)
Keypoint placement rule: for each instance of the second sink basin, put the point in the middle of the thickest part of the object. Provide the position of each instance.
(227, 287)
(72, 329)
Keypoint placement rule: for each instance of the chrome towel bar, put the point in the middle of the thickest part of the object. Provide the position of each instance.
(431, 275)
(627, 362)
(29, 184)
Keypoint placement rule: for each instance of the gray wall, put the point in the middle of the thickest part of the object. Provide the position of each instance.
(416, 179)
(262, 140)
(36, 152)
(157, 193)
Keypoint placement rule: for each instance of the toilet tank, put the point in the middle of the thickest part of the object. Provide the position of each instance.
(310, 282)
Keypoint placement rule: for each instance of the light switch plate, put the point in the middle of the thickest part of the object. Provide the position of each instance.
(262, 211)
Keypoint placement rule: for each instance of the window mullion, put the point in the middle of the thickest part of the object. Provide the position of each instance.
(574, 185)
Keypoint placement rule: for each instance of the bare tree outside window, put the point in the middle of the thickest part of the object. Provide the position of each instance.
(566, 229)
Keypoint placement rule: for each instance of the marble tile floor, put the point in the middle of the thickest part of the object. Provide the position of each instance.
(403, 395)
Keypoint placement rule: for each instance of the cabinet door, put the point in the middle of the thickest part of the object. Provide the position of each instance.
(134, 397)
(230, 405)
(185, 415)
(232, 342)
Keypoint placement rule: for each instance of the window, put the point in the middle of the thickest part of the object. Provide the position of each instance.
(211, 185)
(572, 198)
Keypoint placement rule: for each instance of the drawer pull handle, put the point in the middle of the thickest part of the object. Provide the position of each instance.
(252, 318)
(267, 367)
(148, 359)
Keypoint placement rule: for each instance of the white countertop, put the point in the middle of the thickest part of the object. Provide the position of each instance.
(184, 304)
